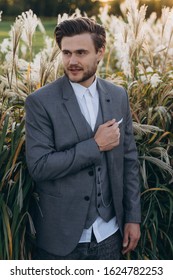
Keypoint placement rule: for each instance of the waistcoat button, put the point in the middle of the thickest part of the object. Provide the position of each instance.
(91, 173)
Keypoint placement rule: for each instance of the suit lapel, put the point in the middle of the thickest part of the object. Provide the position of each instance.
(73, 109)
(105, 102)
(107, 112)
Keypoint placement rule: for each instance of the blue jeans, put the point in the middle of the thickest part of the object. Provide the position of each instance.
(108, 249)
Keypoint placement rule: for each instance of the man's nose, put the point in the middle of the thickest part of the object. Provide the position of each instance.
(73, 59)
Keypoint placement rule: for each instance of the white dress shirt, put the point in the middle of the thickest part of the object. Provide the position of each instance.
(89, 107)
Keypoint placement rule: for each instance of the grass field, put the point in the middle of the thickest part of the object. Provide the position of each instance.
(38, 43)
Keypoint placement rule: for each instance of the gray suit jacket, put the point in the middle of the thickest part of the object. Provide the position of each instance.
(61, 155)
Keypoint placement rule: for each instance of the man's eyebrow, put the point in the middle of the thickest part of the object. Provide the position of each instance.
(78, 50)
(65, 50)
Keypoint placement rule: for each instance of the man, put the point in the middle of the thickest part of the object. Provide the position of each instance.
(82, 156)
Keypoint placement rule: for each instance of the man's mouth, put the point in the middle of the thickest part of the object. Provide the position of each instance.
(74, 69)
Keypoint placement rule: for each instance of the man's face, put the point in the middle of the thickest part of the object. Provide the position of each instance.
(80, 58)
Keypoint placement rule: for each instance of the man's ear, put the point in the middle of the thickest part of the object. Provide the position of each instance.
(100, 54)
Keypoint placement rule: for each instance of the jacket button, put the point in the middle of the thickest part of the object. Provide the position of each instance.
(98, 205)
(91, 173)
(87, 198)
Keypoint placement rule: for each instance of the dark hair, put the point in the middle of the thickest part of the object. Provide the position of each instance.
(80, 25)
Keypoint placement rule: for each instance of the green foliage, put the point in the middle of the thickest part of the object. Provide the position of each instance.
(138, 56)
(15, 189)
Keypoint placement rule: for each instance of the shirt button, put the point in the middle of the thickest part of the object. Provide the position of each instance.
(91, 173)
(87, 198)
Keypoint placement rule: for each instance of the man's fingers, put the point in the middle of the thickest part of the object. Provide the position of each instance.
(107, 136)
(131, 237)
(109, 123)
(129, 246)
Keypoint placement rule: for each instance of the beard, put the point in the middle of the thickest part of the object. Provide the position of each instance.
(86, 75)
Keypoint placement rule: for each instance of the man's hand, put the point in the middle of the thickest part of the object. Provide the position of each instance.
(107, 136)
(131, 237)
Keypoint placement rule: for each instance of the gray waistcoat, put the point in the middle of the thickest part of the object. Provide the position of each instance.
(101, 199)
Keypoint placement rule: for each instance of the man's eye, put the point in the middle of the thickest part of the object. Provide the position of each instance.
(66, 53)
(82, 52)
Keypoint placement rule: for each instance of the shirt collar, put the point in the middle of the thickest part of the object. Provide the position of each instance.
(80, 90)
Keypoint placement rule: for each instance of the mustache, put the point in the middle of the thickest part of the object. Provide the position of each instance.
(74, 68)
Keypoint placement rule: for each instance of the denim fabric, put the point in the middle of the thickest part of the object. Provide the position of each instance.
(108, 249)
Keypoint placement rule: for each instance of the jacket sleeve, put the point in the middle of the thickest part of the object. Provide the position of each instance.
(131, 197)
(43, 160)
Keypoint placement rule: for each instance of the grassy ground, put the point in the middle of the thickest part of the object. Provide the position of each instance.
(4, 29)
(38, 43)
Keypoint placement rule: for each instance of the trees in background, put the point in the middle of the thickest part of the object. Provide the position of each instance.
(54, 7)
(48, 8)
